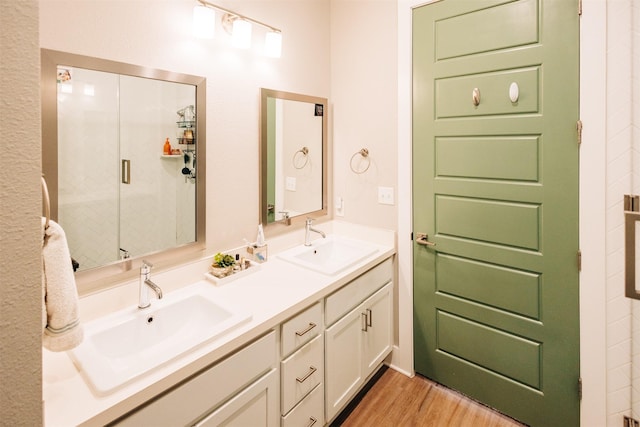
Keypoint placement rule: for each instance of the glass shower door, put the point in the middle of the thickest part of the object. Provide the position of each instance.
(87, 157)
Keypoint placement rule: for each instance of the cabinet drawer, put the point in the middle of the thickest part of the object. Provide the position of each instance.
(302, 372)
(344, 299)
(301, 329)
(309, 412)
(206, 391)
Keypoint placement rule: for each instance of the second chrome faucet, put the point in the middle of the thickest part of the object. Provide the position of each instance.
(145, 284)
(307, 232)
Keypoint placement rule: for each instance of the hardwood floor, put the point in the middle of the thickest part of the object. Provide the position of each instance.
(398, 401)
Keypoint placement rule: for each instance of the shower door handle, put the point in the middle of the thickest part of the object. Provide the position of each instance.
(630, 221)
(126, 171)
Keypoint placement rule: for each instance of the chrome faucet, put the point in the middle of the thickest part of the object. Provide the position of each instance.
(145, 284)
(307, 232)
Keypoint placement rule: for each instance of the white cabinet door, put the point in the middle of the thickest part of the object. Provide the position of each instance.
(377, 338)
(355, 346)
(343, 360)
(256, 406)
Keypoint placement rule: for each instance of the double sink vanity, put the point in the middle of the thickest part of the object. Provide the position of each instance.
(290, 344)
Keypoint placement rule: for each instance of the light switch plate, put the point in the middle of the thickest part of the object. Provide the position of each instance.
(385, 195)
(290, 183)
(339, 206)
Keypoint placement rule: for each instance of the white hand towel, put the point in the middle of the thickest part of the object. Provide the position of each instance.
(61, 322)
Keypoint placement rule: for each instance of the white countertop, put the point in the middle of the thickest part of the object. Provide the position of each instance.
(273, 294)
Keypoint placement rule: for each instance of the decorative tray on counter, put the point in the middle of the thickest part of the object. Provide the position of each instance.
(219, 281)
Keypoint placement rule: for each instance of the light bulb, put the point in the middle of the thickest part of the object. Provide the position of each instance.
(204, 22)
(241, 34)
(273, 44)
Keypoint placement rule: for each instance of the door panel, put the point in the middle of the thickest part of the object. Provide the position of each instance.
(454, 94)
(504, 288)
(482, 157)
(490, 348)
(496, 188)
(518, 26)
(499, 222)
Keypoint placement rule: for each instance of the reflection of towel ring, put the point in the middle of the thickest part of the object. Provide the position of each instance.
(365, 155)
(303, 151)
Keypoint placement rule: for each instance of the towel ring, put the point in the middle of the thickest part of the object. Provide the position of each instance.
(365, 155)
(303, 151)
(46, 202)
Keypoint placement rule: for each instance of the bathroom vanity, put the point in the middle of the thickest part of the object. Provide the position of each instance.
(312, 342)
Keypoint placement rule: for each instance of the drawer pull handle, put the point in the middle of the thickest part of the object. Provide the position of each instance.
(365, 322)
(369, 317)
(312, 421)
(310, 327)
(312, 370)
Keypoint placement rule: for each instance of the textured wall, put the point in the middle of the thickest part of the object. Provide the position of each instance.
(20, 207)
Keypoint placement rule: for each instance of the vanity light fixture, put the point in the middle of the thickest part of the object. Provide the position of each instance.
(239, 26)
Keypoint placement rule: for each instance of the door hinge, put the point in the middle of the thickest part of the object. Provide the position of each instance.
(579, 260)
(579, 7)
(579, 129)
(580, 388)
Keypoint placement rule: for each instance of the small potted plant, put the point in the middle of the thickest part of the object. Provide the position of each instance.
(222, 265)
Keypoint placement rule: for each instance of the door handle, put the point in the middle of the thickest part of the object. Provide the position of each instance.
(126, 171)
(423, 239)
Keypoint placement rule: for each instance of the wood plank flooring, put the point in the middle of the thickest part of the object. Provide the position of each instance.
(396, 400)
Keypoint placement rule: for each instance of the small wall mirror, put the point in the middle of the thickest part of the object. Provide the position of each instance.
(124, 159)
(293, 158)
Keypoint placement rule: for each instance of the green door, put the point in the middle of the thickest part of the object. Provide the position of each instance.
(495, 187)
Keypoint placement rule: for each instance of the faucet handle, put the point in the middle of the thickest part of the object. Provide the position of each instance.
(146, 266)
(309, 221)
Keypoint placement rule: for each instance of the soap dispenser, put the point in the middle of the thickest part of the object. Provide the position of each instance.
(166, 150)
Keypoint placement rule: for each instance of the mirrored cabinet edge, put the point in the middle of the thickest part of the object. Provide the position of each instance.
(99, 278)
(281, 226)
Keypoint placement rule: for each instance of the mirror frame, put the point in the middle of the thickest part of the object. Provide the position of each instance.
(290, 96)
(96, 279)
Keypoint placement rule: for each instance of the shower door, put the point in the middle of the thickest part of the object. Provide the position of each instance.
(118, 195)
(88, 153)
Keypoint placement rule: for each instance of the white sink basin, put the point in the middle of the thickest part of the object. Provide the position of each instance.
(127, 344)
(329, 256)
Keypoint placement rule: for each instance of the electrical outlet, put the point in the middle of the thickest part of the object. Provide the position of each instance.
(385, 195)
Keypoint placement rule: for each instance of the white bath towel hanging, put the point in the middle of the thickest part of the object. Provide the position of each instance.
(61, 322)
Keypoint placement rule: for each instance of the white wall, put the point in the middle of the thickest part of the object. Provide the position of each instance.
(364, 99)
(20, 207)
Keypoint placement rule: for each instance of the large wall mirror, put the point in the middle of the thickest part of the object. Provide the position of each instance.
(123, 150)
(293, 176)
